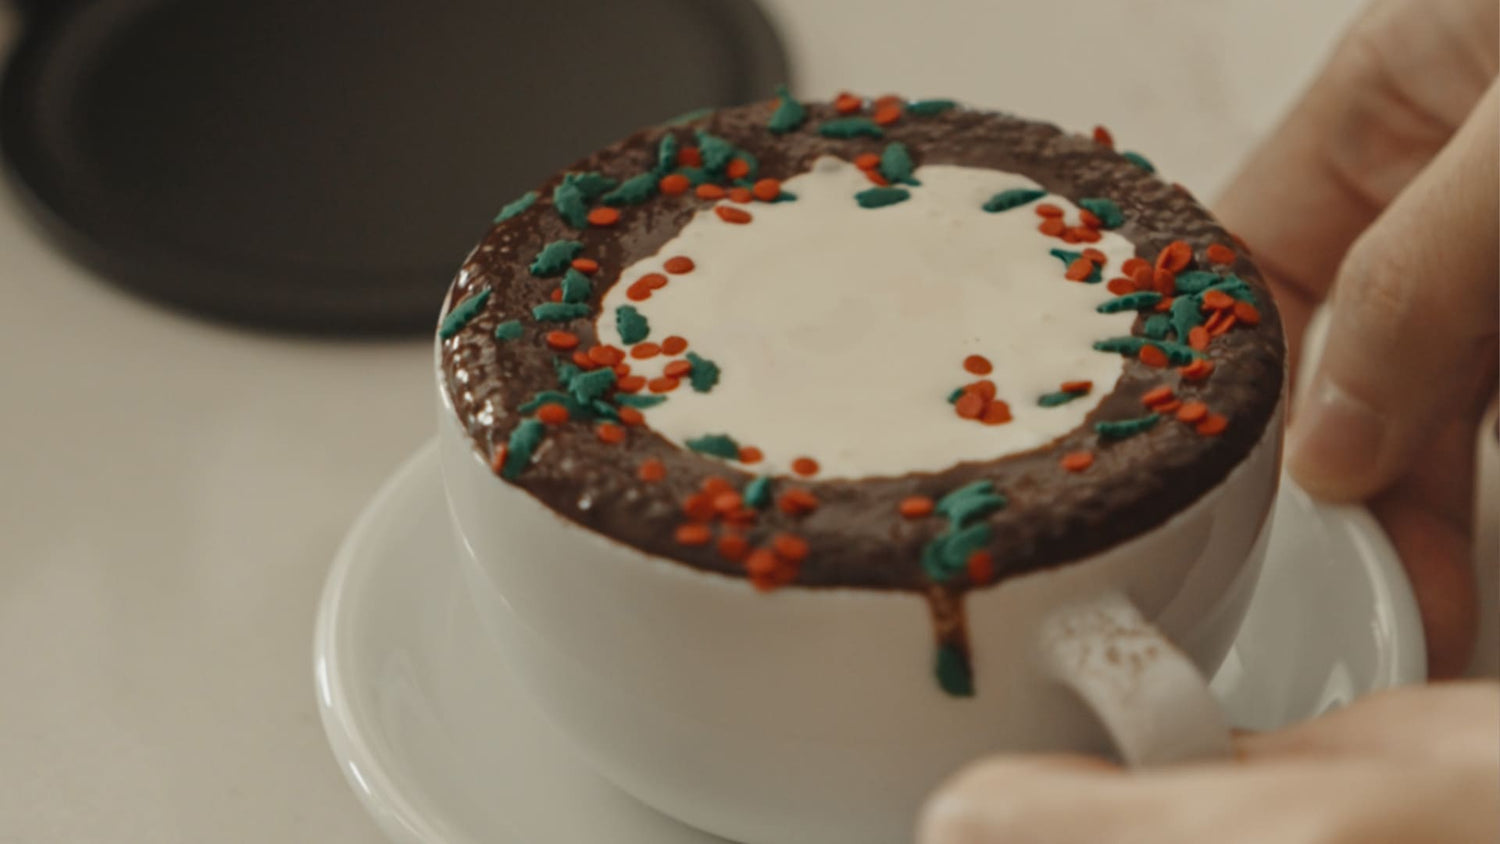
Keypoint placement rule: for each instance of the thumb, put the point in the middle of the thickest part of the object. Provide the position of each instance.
(1413, 323)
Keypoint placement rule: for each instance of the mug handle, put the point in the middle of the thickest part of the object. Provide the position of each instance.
(1148, 695)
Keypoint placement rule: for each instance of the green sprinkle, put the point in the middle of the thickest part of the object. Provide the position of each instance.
(460, 314)
(851, 127)
(591, 183)
(1177, 353)
(958, 393)
(717, 445)
(1109, 214)
(555, 257)
(570, 203)
(605, 410)
(948, 555)
(927, 108)
(1130, 302)
(587, 386)
(1057, 399)
(517, 207)
(757, 493)
(717, 152)
(519, 448)
(1139, 160)
(634, 191)
(953, 673)
(704, 374)
(784, 196)
(508, 330)
(632, 326)
(695, 175)
(1065, 256)
(1157, 326)
(666, 155)
(789, 114)
(1013, 198)
(1123, 428)
(637, 401)
(1196, 281)
(896, 164)
(690, 116)
(881, 197)
(566, 371)
(559, 311)
(969, 502)
(1236, 287)
(575, 287)
(1123, 345)
(1186, 315)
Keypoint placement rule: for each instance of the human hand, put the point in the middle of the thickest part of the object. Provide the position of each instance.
(1410, 766)
(1381, 183)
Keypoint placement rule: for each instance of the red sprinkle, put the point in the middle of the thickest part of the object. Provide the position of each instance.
(1175, 256)
(981, 566)
(1164, 305)
(730, 214)
(561, 340)
(690, 157)
(497, 462)
(1084, 234)
(1170, 407)
(741, 195)
(677, 368)
(805, 466)
(606, 355)
(714, 485)
(1096, 256)
(1103, 138)
(749, 454)
(877, 178)
(789, 547)
(978, 364)
(1079, 270)
(604, 216)
(1052, 227)
(886, 113)
(969, 406)
(709, 192)
(1218, 253)
(1165, 281)
(1217, 300)
(1197, 370)
(631, 384)
(674, 184)
(693, 534)
(733, 547)
(699, 507)
(1134, 265)
(555, 295)
(1157, 395)
(622, 370)
(662, 385)
(585, 265)
(1246, 313)
(637, 292)
(1076, 386)
(1192, 412)
(984, 388)
(915, 506)
(653, 281)
(1152, 356)
(1047, 209)
(867, 160)
(632, 416)
(739, 168)
(1227, 323)
(766, 190)
(651, 470)
(797, 502)
(727, 501)
(674, 345)
(1089, 219)
(1077, 461)
(610, 432)
(1212, 425)
(847, 103)
(552, 413)
(768, 571)
(1120, 286)
(581, 360)
(997, 413)
(645, 350)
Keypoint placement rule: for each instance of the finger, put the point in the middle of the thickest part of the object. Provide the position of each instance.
(1391, 95)
(1413, 318)
(1445, 722)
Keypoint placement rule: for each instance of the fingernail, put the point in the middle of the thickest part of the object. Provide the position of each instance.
(1335, 442)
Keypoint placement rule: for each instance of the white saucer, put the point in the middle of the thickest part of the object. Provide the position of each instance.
(443, 748)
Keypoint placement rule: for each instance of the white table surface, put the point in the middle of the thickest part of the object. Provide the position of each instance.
(171, 492)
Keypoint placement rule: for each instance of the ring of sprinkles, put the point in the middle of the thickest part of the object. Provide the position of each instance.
(1201, 366)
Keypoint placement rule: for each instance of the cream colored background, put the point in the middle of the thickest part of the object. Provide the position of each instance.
(171, 493)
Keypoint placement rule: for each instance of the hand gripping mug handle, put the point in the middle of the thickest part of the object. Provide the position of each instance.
(1144, 690)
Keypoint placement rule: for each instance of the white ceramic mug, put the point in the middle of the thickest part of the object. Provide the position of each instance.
(811, 716)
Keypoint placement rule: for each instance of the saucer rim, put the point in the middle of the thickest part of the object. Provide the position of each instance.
(1403, 660)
